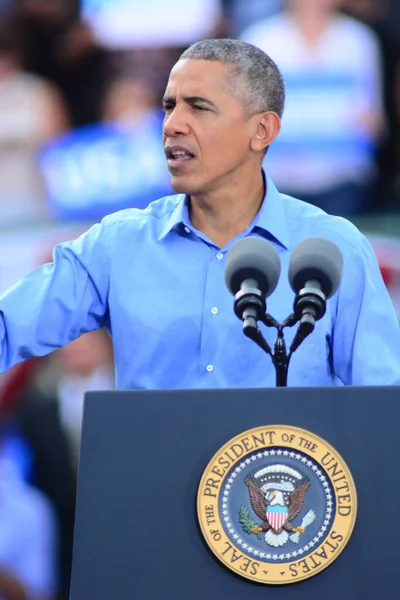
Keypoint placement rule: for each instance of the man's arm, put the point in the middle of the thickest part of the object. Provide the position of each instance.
(366, 335)
(57, 302)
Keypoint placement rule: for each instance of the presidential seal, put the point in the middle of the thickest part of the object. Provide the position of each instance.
(277, 504)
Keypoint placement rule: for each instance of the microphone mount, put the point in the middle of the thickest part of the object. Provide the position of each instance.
(250, 306)
(310, 300)
(309, 307)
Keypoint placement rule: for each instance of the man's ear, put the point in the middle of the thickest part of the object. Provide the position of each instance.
(267, 125)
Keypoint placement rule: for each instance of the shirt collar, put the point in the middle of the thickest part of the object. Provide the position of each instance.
(270, 219)
(178, 218)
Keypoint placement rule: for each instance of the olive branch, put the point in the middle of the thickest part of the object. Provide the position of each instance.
(247, 522)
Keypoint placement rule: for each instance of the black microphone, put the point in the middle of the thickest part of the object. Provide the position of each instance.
(251, 274)
(315, 271)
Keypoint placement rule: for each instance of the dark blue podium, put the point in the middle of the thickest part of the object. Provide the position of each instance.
(142, 457)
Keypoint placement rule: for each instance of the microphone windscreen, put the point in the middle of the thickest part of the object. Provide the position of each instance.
(316, 258)
(252, 258)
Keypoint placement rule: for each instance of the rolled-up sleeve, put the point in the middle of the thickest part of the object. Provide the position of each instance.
(366, 348)
(57, 302)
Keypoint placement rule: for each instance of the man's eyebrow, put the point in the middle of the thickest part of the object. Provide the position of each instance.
(168, 100)
(198, 100)
(189, 100)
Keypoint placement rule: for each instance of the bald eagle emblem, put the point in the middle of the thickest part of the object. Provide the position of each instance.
(277, 494)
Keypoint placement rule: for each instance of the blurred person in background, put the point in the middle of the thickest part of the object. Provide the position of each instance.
(84, 365)
(60, 47)
(334, 118)
(31, 113)
(28, 537)
(127, 101)
(48, 410)
(243, 13)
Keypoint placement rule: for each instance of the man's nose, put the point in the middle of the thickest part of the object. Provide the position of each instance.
(175, 123)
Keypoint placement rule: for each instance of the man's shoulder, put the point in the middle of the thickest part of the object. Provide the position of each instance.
(305, 220)
(350, 25)
(155, 214)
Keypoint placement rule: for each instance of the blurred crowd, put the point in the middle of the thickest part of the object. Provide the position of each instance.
(68, 68)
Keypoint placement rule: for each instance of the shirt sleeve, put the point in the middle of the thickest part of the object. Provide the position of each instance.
(366, 335)
(57, 302)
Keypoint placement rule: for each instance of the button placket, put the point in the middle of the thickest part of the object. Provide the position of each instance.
(214, 293)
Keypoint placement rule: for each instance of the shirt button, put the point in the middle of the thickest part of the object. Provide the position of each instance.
(187, 229)
(210, 368)
(214, 310)
(219, 256)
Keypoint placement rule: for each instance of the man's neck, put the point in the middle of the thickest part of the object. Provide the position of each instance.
(223, 215)
(313, 23)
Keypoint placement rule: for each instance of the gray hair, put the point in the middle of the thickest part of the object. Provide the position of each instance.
(259, 83)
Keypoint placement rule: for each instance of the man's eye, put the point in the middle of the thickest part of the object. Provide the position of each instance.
(197, 107)
(167, 108)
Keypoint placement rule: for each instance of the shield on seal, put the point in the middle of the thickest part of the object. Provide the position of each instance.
(277, 516)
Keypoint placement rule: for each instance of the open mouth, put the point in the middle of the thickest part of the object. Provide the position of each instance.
(177, 156)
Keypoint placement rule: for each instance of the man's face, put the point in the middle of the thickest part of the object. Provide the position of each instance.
(321, 5)
(206, 134)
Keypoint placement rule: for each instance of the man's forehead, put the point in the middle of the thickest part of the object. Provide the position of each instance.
(199, 65)
(196, 76)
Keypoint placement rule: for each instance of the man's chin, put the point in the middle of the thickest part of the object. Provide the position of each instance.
(181, 185)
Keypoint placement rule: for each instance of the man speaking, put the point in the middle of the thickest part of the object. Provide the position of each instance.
(155, 277)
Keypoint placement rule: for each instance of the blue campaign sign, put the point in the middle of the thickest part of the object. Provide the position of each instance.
(103, 168)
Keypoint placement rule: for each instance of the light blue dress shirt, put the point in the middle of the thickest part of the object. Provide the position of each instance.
(157, 284)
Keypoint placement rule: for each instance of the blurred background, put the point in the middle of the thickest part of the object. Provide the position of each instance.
(80, 137)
